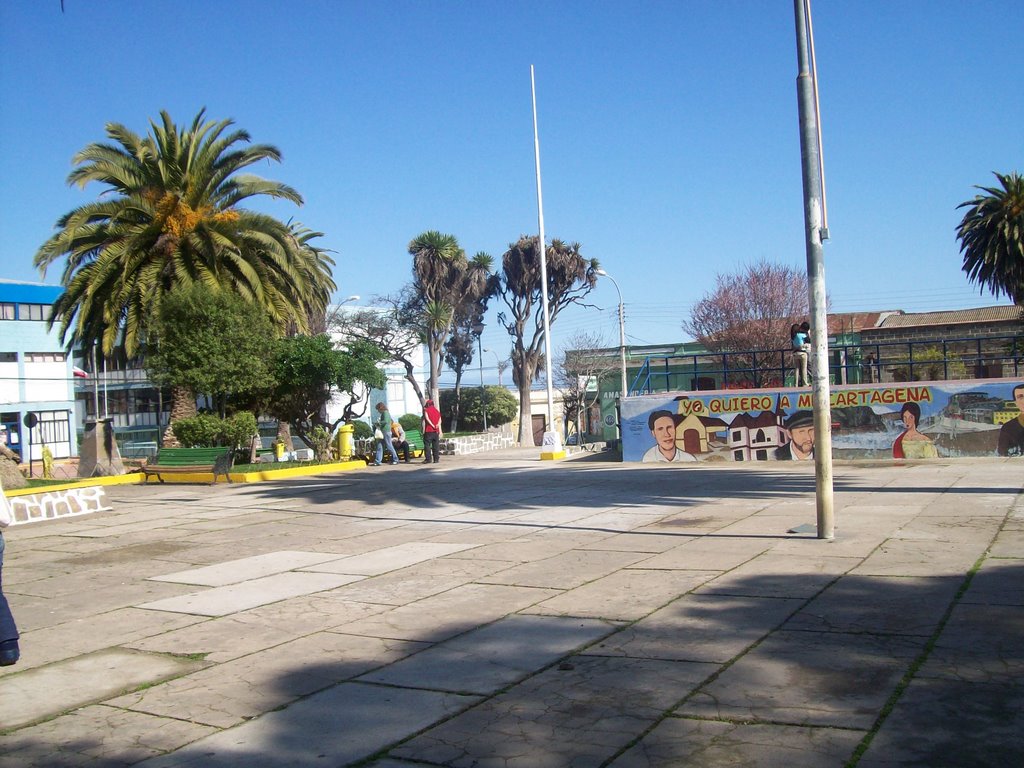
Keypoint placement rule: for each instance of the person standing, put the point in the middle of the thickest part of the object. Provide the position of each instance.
(800, 341)
(384, 425)
(9, 651)
(431, 433)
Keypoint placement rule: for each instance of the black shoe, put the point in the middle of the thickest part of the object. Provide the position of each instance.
(9, 653)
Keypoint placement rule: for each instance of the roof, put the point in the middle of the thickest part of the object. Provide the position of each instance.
(17, 291)
(854, 322)
(1008, 313)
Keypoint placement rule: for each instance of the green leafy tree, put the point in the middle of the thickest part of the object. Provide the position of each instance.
(501, 405)
(206, 341)
(991, 237)
(445, 287)
(570, 278)
(171, 214)
(309, 369)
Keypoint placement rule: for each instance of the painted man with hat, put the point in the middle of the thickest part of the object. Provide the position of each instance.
(801, 438)
(663, 427)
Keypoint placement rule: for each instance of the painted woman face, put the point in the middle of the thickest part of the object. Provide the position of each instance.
(909, 419)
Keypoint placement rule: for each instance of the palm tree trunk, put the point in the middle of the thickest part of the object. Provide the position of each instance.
(284, 435)
(183, 406)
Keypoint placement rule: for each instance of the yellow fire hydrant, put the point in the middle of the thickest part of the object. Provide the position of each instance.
(346, 443)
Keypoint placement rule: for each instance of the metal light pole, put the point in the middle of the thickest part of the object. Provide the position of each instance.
(550, 434)
(622, 335)
(478, 329)
(816, 231)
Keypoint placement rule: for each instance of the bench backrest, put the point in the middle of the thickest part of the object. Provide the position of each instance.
(415, 438)
(181, 457)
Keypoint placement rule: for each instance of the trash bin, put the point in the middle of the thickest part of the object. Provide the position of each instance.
(279, 451)
(345, 441)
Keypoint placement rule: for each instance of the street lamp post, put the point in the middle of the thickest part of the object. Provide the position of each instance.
(622, 334)
(478, 329)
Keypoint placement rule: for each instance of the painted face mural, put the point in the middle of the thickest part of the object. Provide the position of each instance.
(912, 420)
(803, 441)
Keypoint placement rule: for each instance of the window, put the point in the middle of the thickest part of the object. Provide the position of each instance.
(34, 311)
(52, 427)
(45, 357)
(6, 311)
(8, 357)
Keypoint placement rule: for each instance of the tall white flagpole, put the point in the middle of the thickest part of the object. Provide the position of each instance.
(552, 442)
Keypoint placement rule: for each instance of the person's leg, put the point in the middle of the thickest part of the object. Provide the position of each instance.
(9, 651)
(378, 453)
(389, 443)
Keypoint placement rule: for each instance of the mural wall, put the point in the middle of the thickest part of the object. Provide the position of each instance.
(916, 420)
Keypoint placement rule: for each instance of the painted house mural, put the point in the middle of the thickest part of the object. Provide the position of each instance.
(918, 420)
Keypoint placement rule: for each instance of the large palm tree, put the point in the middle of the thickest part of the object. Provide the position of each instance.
(444, 284)
(992, 238)
(171, 215)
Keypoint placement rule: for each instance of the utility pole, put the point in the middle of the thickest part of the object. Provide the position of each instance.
(816, 231)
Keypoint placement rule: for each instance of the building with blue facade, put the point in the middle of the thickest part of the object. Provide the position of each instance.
(36, 374)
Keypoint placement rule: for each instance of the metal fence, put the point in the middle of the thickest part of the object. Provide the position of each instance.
(875, 363)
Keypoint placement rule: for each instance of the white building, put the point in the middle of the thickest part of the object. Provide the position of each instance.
(398, 395)
(36, 374)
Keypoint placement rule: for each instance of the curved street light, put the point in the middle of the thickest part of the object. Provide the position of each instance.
(478, 329)
(622, 332)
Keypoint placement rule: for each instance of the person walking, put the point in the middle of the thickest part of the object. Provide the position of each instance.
(9, 651)
(431, 433)
(383, 424)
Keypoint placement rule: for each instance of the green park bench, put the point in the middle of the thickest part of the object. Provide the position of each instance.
(182, 461)
(415, 438)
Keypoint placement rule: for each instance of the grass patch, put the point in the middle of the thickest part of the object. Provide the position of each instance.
(38, 482)
(266, 466)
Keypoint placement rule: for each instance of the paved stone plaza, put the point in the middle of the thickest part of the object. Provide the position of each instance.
(496, 610)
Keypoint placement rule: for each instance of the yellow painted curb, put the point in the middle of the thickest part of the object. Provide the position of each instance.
(281, 474)
(264, 474)
(553, 455)
(131, 478)
(86, 482)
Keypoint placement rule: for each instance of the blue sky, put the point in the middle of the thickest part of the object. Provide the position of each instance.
(668, 131)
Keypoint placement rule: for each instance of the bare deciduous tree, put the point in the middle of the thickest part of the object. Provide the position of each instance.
(583, 361)
(749, 314)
